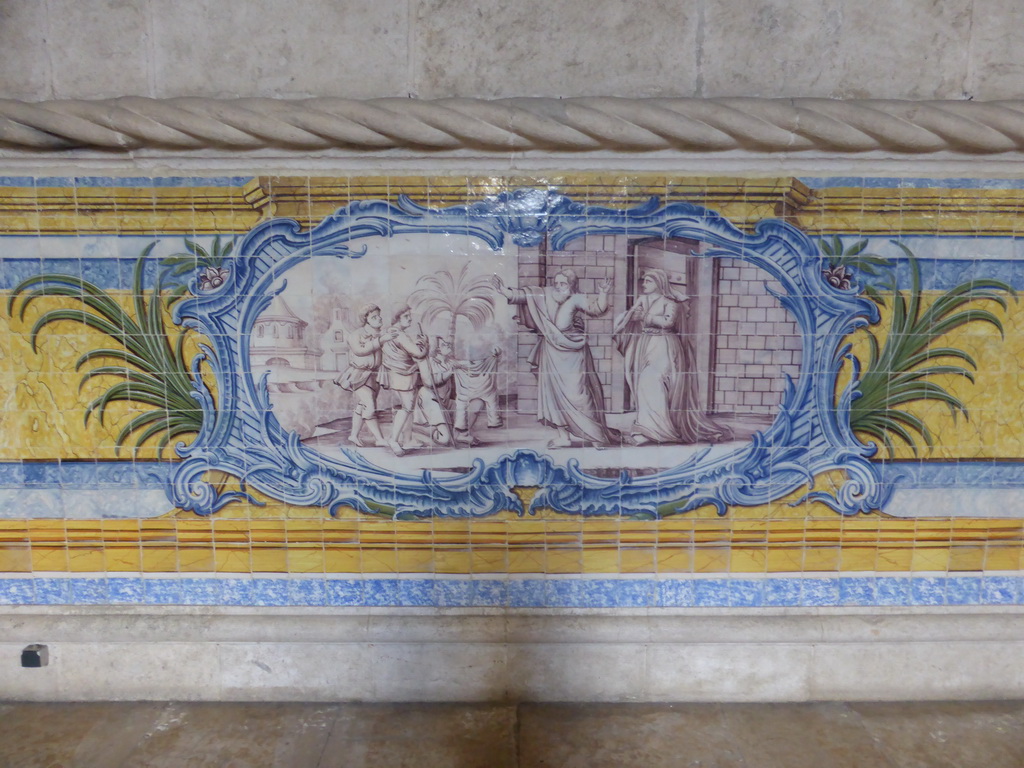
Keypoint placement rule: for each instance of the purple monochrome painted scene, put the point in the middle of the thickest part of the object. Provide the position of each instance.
(428, 352)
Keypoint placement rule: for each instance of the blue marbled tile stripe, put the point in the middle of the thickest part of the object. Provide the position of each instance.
(952, 474)
(861, 591)
(875, 182)
(124, 181)
(85, 474)
(115, 272)
(900, 182)
(156, 474)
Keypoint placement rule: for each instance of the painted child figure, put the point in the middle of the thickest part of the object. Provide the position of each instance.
(360, 378)
(436, 392)
(477, 380)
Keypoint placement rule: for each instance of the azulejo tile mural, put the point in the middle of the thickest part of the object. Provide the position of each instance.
(573, 390)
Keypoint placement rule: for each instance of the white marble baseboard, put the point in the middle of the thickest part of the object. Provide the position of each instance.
(233, 654)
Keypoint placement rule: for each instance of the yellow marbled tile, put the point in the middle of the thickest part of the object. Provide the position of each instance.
(1000, 557)
(637, 559)
(85, 558)
(39, 530)
(966, 558)
(674, 559)
(893, 559)
(711, 559)
(125, 210)
(342, 560)
(820, 559)
(270, 559)
(305, 532)
(160, 558)
(639, 532)
(748, 560)
(931, 557)
(712, 531)
(599, 561)
(858, 557)
(124, 559)
(231, 532)
(532, 561)
(21, 559)
(266, 531)
(378, 560)
(121, 547)
(415, 559)
(453, 560)
(784, 559)
(489, 561)
(306, 560)
(232, 560)
(193, 559)
(45, 558)
(563, 561)
(528, 532)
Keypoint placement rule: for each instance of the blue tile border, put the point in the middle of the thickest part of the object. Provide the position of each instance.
(36, 475)
(818, 182)
(124, 181)
(909, 182)
(420, 592)
(96, 475)
(115, 272)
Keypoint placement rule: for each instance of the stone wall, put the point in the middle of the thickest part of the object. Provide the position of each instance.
(915, 49)
(720, 631)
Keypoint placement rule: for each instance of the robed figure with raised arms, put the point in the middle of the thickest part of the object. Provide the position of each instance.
(570, 397)
(661, 368)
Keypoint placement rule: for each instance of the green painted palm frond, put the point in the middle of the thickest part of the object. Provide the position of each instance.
(896, 372)
(149, 365)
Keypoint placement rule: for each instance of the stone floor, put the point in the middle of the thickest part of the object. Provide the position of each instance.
(108, 735)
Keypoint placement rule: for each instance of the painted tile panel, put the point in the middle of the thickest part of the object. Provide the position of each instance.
(554, 391)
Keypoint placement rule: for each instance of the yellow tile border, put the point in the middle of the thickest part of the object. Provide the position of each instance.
(149, 211)
(590, 546)
(158, 211)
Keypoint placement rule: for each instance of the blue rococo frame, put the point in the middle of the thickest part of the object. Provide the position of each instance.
(241, 436)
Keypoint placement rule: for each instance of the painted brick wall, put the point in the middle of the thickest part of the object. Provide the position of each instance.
(532, 266)
(757, 342)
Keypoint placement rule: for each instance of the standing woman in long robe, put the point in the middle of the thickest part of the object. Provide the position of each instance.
(661, 369)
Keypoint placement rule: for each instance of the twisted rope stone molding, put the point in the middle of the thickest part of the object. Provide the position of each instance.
(567, 125)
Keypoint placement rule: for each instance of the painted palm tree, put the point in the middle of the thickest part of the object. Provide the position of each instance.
(443, 295)
(147, 362)
(897, 373)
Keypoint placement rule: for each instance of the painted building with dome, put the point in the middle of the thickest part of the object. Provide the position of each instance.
(279, 340)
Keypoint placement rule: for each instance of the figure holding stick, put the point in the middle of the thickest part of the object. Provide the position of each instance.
(400, 373)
